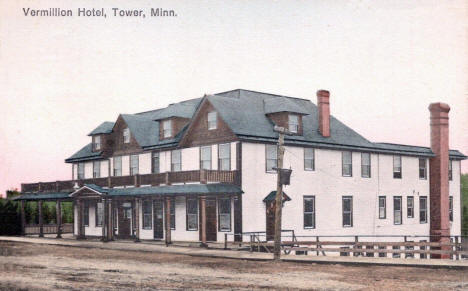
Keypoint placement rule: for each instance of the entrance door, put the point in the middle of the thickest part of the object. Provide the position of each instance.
(158, 221)
(125, 219)
(211, 225)
(270, 220)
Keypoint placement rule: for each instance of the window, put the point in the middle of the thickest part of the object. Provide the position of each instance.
(293, 123)
(192, 214)
(224, 213)
(155, 163)
(450, 208)
(99, 213)
(271, 157)
(97, 142)
(347, 211)
(212, 120)
(410, 206)
(126, 135)
(382, 207)
(450, 170)
(397, 167)
(86, 213)
(365, 165)
(309, 159)
(134, 165)
(423, 209)
(397, 217)
(205, 158)
(81, 172)
(97, 169)
(176, 161)
(224, 157)
(396, 255)
(422, 169)
(347, 164)
(309, 211)
(167, 128)
(117, 166)
(147, 214)
(172, 213)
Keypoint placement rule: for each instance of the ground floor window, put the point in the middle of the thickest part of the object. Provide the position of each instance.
(451, 208)
(347, 211)
(423, 209)
(147, 214)
(309, 211)
(410, 206)
(382, 207)
(86, 213)
(192, 214)
(99, 213)
(397, 217)
(172, 212)
(224, 214)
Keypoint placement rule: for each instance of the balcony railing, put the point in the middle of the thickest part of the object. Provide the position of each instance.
(167, 178)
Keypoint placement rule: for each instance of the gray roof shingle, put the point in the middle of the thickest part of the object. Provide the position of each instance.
(86, 153)
(103, 128)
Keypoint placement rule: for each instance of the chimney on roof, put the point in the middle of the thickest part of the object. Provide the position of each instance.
(439, 179)
(323, 103)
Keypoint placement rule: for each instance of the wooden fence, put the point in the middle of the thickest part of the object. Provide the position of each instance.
(48, 228)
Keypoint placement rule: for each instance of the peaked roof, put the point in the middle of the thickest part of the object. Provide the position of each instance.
(145, 130)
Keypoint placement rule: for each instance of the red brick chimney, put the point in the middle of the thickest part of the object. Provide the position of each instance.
(439, 183)
(323, 103)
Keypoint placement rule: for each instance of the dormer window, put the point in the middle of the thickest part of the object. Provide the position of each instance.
(212, 120)
(97, 142)
(126, 135)
(167, 128)
(293, 123)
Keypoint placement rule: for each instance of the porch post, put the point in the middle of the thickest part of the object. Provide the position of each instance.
(80, 219)
(203, 220)
(104, 220)
(168, 220)
(23, 218)
(110, 224)
(41, 223)
(137, 219)
(58, 218)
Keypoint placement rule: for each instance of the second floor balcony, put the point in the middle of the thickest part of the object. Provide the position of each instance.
(167, 178)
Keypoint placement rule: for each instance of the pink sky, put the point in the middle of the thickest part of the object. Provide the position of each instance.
(383, 63)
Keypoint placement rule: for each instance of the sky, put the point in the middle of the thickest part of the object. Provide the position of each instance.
(384, 62)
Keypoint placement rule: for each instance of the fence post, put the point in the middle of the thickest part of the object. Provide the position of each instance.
(457, 257)
(317, 245)
(251, 243)
(405, 248)
(225, 241)
(356, 239)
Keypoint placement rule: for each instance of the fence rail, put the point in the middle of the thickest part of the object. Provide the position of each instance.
(346, 245)
(48, 228)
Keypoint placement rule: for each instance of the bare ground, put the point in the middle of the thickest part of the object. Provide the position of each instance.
(34, 267)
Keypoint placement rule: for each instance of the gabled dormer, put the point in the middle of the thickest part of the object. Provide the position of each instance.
(171, 126)
(100, 136)
(285, 113)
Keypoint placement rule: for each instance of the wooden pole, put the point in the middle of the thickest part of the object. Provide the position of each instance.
(41, 222)
(80, 219)
(279, 199)
(137, 219)
(110, 221)
(203, 220)
(58, 216)
(104, 220)
(168, 220)
(23, 218)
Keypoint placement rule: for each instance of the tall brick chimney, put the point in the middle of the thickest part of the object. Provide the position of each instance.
(439, 183)
(323, 103)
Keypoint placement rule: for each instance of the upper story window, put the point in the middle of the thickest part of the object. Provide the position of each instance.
(450, 170)
(365, 165)
(309, 211)
(271, 157)
(134, 161)
(212, 120)
(347, 164)
(397, 167)
(176, 161)
(126, 135)
(205, 158)
(347, 211)
(155, 163)
(97, 169)
(293, 123)
(224, 157)
(118, 166)
(81, 171)
(96, 142)
(422, 169)
(167, 128)
(309, 159)
(382, 207)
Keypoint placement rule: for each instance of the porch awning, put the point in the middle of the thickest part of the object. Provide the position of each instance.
(272, 196)
(177, 190)
(43, 196)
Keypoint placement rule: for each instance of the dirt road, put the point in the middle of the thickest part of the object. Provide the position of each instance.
(35, 267)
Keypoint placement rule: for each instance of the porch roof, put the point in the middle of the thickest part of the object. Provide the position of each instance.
(43, 196)
(272, 196)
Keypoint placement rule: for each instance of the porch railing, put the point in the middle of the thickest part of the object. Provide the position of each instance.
(48, 228)
(167, 178)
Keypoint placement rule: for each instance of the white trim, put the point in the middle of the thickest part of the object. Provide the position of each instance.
(83, 188)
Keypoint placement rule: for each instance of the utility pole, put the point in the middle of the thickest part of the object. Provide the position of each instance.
(279, 193)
